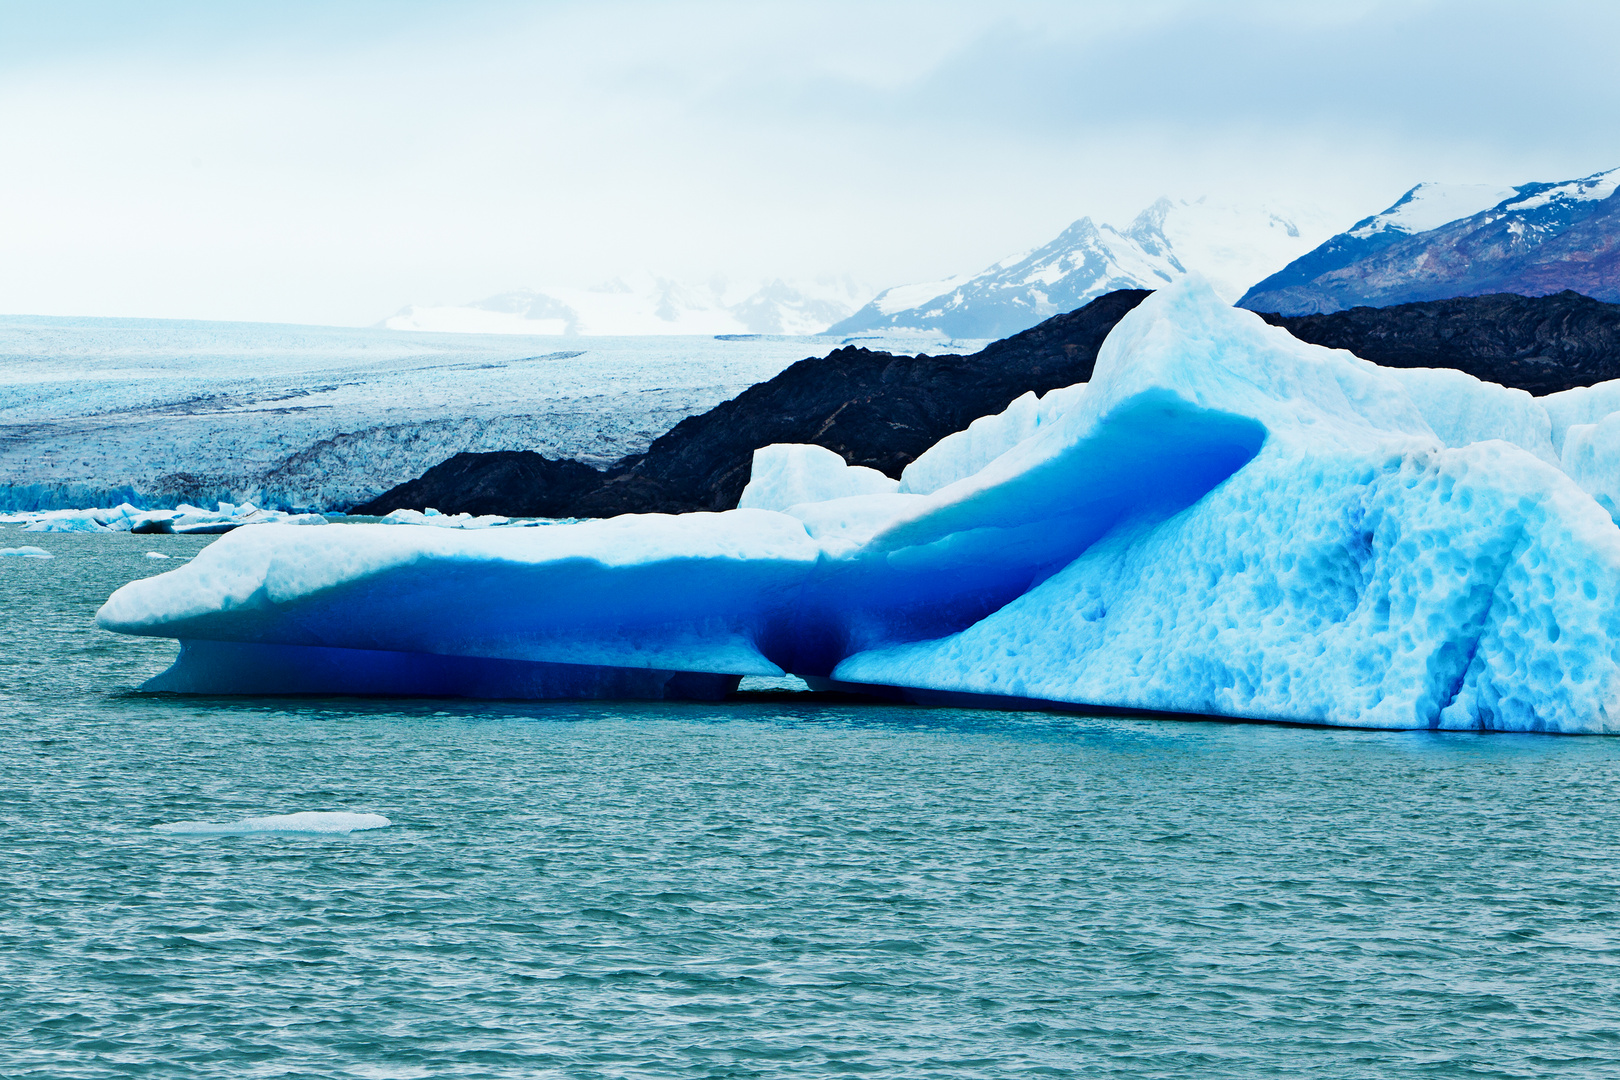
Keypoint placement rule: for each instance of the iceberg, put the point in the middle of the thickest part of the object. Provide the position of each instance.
(437, 520)
(1224, 521)
(788, 474)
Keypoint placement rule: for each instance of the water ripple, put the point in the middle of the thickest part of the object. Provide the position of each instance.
(771, 890)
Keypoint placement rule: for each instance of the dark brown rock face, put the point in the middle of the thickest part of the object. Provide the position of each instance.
(874, 408)
(1541, 344)
(516, 483)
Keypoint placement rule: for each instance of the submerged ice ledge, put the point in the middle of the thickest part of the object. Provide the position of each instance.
(1225, 521)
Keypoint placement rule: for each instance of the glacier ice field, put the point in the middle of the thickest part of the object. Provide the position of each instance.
(98, 412)
(1224, 521)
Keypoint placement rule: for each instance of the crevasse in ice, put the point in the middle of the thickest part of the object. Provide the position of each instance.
(1224, 521)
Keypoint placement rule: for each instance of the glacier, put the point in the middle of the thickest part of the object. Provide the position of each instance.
(1224, 521)
(97, 412)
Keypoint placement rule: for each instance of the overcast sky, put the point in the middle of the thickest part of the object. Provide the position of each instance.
(328, 162)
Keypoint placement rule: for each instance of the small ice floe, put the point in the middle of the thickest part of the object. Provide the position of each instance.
(27, 552)
(313, 822)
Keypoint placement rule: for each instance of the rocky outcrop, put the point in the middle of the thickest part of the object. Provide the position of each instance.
(517, 483)
(1540, 344)
(881, 410)
(873, 408)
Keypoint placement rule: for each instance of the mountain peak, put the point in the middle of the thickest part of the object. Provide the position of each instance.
(1440, 241)
(1230, 245)
(1430, 205)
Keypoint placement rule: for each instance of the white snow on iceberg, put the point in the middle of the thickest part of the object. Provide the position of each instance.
(1224, 521)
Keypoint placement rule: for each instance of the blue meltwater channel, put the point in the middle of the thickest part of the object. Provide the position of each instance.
(771, 887)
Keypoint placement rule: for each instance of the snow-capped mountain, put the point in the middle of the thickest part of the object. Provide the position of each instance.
(1231, 245)
(647, 304)
(1441, 241)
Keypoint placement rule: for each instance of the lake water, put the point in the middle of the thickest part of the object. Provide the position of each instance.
(779, 887)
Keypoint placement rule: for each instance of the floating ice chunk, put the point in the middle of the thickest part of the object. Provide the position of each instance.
(182, 519)
(1225, 521)
(120, 518)
(787, 474)
(308, 821)
(27, 552)
(64, 521)
(432, 517)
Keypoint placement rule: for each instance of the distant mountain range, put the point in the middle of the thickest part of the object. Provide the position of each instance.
(1232, 246)
(1439, 242)
(647, 304)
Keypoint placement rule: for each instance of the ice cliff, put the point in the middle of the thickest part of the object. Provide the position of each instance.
(1224, 521)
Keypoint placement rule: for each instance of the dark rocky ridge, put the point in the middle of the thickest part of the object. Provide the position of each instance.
(874, 408)
(882, 410)
(1541, 344)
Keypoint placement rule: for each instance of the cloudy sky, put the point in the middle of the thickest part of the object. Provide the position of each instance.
(303, 161)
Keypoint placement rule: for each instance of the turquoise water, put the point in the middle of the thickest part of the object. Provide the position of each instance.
(773, 888)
